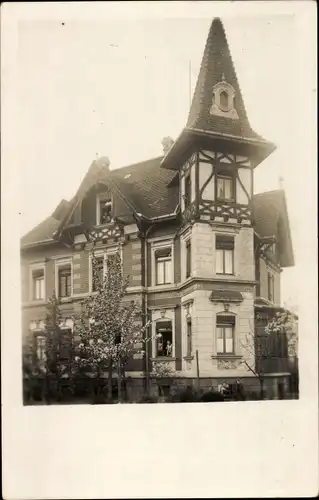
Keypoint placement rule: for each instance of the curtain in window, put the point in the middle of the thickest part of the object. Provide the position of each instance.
(228, 261)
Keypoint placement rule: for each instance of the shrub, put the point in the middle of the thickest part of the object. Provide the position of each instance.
(211, 396)
(147, 399)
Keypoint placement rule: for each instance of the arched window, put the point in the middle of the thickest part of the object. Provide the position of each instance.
(224, 100)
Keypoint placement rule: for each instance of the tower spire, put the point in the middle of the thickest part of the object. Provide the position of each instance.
(217, 73)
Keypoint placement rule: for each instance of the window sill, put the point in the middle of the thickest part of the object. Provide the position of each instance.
(156, 288)
(105, 224)
(63, 300)
(188, 358)
(163, 358)
(226, 356)
(35, 302)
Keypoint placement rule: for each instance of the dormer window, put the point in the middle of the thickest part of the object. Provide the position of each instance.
(223, 100)
(104, 209)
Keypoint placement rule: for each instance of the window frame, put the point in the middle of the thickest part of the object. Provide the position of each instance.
(271, 288)
(223, 324)
(34, 268)
(188, 258)
(225, 176)
(104, 253)
(223, 250)
(99, 199)
(187, 195)
(158, 316)
(156, 245)
(59, 265)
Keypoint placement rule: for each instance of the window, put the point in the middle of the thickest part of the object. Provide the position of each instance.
(224, 188)
(163, 263)
(224, 255)
(189, 336)
(38, 284)
(64, 281)
(188, 258)
(65, 345)
(271, 287)
(224, 100)
(225, 334)
(188, 189)
(40, 346)
(104, 208)
(164, 339)
(98, 273)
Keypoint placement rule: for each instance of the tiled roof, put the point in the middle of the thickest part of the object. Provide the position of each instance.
(217, 64)
(271, 219)
(146, 186)
(43, 232)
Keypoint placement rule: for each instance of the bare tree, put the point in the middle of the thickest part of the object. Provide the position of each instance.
(262, 349)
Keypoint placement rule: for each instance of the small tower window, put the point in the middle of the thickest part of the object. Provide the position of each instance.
(224, 100)
(188, 188)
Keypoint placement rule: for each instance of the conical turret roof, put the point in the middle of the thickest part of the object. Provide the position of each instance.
(217, 66)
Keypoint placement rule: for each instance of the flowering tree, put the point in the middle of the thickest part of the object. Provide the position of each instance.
(160, 370)
(50, 356)
(58, 359)
(276, 342)
(110, 331)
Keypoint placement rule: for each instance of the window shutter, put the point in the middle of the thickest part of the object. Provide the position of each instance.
(163, 252)
(224, 319)
(224, 242)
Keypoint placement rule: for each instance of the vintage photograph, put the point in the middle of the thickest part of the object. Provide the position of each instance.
(164, 270)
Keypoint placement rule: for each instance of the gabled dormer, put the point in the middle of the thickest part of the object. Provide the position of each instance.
(218, 150)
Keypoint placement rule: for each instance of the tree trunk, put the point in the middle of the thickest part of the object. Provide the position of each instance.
(109, 382)
(262, 391)
(124, 382)
(119, 380)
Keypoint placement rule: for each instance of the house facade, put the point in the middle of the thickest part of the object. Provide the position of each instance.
(204, 255)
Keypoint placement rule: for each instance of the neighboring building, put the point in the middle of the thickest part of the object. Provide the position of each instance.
(202, 252)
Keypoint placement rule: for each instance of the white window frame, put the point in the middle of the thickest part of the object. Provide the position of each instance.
(158, 316)
(233, 323)
(37, 267)
(105, 253)
(234, 262)
(98, 211)
(161, 244)
(59, 263)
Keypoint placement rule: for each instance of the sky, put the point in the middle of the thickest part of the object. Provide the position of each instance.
(115, 88)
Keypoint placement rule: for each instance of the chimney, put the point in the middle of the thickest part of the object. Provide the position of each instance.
(103, 162)
(167, 143)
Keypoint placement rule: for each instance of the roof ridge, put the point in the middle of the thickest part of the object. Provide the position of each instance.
(137, 163)
(271, 191)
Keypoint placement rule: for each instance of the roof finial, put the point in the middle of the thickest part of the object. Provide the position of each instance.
(223, 77)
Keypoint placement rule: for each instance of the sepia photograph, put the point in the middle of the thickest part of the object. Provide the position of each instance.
(157, 281)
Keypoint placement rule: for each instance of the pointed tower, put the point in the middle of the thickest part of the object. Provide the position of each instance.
(218, 149)
(214, 157)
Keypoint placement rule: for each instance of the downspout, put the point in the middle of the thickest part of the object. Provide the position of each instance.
(147, 371)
